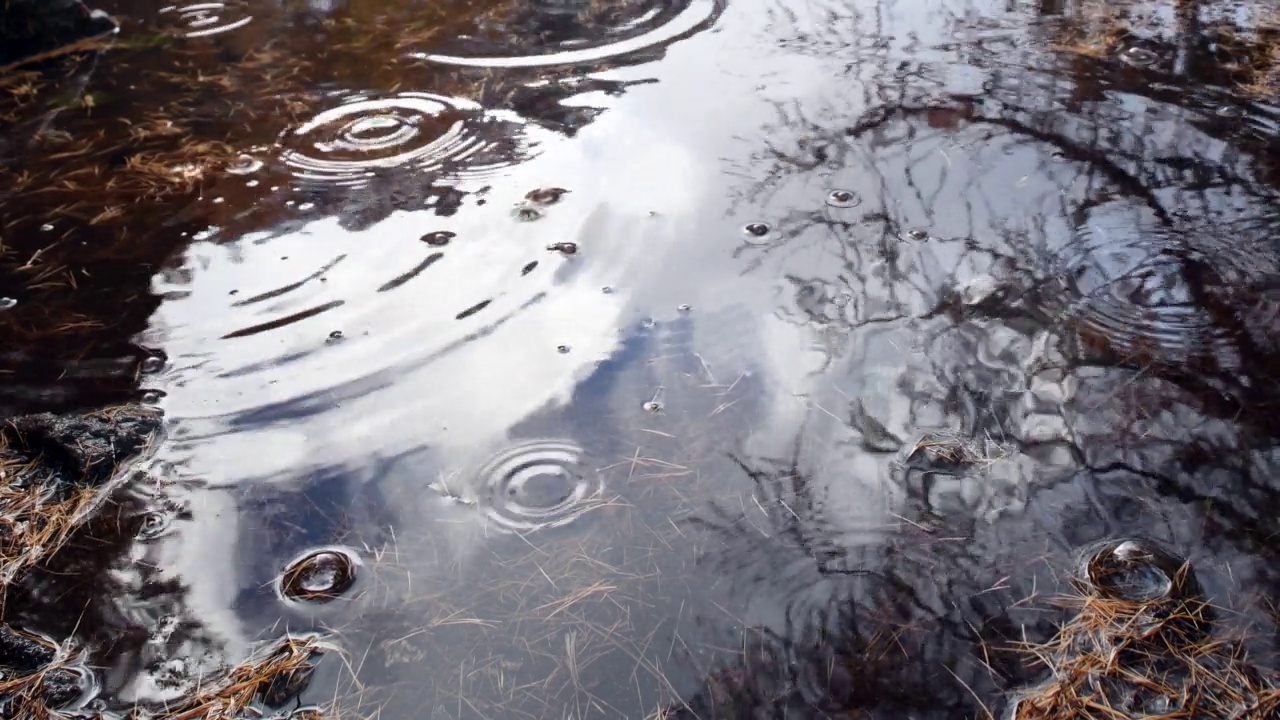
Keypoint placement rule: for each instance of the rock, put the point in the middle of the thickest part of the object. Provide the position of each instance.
(77, 451)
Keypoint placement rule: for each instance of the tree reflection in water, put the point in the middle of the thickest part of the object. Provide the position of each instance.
(1057, 255)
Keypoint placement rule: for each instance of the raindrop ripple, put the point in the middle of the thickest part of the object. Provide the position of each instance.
(538, 485)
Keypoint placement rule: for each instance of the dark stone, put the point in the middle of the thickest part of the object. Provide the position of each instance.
(31, 27)
(23, 654)
(77, 451)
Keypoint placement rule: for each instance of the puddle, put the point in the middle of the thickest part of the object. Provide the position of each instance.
(645, 358)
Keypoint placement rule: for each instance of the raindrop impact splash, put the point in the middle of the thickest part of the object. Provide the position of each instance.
(538, 485)
(319, 576)
(207, 18)
(353, 143)
(537, 34)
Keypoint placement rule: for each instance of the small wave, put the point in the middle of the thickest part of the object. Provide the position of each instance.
(538, 485)
(653, 24)
(207, 18)
(350, 144)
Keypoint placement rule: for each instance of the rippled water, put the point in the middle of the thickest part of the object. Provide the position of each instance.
(582, 359)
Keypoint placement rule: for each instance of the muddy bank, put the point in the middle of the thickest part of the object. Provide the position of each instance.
(60, 486)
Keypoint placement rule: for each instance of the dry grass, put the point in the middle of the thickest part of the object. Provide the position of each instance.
(280, 669)
(1248, 56)
(34, 521)
(1123, 656)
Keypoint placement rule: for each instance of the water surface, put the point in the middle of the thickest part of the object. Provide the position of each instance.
(613, 343)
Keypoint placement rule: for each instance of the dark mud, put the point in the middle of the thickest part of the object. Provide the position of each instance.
(644, 359)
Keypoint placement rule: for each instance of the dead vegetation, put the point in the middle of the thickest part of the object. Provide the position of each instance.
(1217, 42)
(269, 678)
(1140, 645)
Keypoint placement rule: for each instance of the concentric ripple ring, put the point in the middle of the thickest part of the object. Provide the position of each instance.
(696, 16)
(538, 485)
(348, 144)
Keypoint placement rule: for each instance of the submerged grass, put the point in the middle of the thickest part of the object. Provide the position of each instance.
(274, 674)
(1142, 656)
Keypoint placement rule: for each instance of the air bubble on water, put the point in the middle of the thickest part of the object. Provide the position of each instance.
(438, 238)
(306, 206)
(525, 212)
(251, 183)
(564, 248)
(152, 364)
(606, 290)
(244, 165)
(151, 397)
(1139, 56)
(545, 196)
(756, 229)
(219, 200)
(917, 234)
(335, 336)
(647, 323)
(1228, 111)
(47, 227)
(652, 406)
(8, 303)
(684, 307)
(562, 349)
(320, 576)
(843, 199)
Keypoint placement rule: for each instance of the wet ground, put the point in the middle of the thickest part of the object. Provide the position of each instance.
(582, 359)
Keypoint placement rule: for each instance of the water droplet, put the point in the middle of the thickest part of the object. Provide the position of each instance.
(843, 199)
(537, 485)
(652, 406)
(562, 349)
(527, 213)
(545, 196)
(684, 308)
(244, 165)
(8, 303)
(917, 234)
(320, 576)
(565, 248)
(438, 238)
(756, 229)
(1139, 56)
(47, 227)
